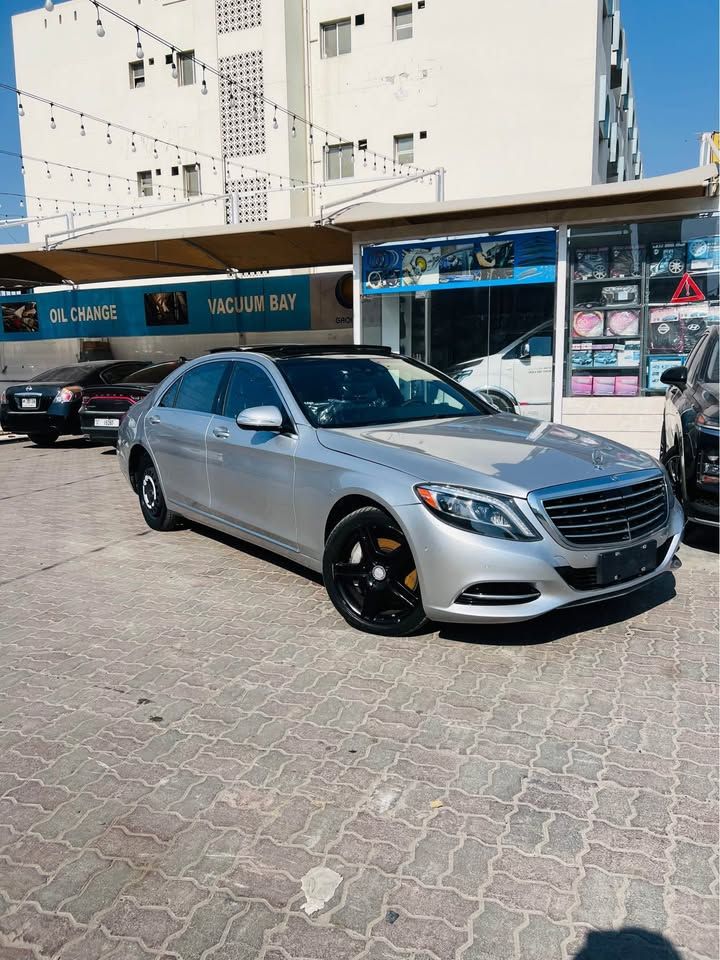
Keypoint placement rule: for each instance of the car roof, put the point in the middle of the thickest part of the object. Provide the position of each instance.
(278, 351)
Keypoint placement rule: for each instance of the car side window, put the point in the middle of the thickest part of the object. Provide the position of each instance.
(695, 360)
(200, 387)
(250, 386)
(169, 397)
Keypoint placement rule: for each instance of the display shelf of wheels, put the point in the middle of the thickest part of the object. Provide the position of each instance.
(625, 330)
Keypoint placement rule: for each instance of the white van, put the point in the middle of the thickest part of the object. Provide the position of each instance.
(520, 375)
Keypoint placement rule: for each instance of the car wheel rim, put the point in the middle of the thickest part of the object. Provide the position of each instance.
(150, 493)
(377, 578)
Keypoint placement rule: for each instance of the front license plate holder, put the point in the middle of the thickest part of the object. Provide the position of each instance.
(626, 563)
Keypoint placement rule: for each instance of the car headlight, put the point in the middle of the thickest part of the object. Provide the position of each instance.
(485, 513)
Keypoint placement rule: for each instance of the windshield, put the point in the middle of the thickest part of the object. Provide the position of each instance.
(152, 374)
(361, 391)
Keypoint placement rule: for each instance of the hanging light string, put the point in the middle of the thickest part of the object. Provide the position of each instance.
(136, 134)
(312, 127)
(84, 173)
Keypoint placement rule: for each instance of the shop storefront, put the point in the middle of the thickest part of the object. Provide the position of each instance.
(576, 323)
(481, 307)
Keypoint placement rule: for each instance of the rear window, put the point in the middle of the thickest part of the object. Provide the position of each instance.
(67, 375)
(152, 374)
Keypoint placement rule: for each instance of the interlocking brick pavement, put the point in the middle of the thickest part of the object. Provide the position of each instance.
(187, 727)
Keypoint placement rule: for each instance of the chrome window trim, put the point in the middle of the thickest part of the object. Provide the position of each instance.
(536, 500)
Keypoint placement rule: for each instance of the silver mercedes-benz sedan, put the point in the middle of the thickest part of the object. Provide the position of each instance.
(414, 498)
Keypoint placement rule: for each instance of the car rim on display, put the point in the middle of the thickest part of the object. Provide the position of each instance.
(378, 580)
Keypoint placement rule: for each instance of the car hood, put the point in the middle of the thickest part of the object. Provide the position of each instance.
(502, 453)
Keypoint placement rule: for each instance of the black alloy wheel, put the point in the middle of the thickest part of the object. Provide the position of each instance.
(370, 574)
(152, 499)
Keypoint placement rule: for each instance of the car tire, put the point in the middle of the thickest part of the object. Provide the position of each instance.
(152, 499)
(43, 439)
(370, 575)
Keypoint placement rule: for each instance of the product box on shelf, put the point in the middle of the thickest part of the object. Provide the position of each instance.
(627, 386)
(581, 386)
(622, 323)
(665, 330)
(666, 259)
(620, 293)
(629, 354)
(603, 386)
(588, 323)
(606, 356)
(624, 262)
(581, 356)
(591, 264)
(656, 366)
(704, 253)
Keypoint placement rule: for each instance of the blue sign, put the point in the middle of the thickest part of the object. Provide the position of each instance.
(213, 306)
(501, 260)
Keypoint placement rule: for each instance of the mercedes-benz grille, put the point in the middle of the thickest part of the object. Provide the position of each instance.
(611, 514)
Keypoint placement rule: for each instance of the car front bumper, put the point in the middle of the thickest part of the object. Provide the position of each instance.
(451, 561)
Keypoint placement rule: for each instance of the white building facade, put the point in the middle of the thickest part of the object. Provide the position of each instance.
(506, 98)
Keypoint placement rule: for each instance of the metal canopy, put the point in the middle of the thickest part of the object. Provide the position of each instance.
(119, 254)
(376, 216)
(114, 255)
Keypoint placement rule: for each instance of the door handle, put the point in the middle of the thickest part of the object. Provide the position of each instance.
(222, 433)
(153, 419)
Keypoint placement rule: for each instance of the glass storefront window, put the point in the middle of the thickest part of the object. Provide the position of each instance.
(640, 297)
(480, 308)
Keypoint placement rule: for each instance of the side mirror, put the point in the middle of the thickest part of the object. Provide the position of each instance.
(525, 350)
(674, 376)
(260, 418)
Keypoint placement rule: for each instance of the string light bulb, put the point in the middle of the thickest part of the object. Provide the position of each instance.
(203, 85)
(21, 109)
(275, 120)
(108, 138)
(293, 131)
(132, 142)
(49, 6)
(311, 139)
(173, 69)
(139, 52)
(52, 118)
(99, 28)
(82, 126)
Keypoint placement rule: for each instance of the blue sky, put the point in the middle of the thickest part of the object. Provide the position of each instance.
(673, 48)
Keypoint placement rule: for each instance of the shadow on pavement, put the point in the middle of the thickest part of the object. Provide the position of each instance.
(564, 623)
(628, 943)
(243, 546)
(702, 538)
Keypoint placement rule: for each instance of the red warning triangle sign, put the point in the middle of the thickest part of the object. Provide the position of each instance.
(687, 291)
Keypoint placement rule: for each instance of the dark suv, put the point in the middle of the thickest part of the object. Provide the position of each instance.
(690, 434)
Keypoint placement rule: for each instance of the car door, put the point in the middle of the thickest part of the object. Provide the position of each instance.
(176, 428)
(251, 472)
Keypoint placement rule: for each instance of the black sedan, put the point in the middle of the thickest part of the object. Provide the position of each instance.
(103, 408)
(48, 406)
(691, 431)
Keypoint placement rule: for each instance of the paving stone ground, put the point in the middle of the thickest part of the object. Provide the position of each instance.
(187, 727)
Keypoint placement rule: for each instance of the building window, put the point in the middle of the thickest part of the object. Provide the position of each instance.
(335, 38)
(137, 74)
(191, 180)
(402, 22)
(404, 148)
(339, 161)
(186, 68)
(144, 182)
